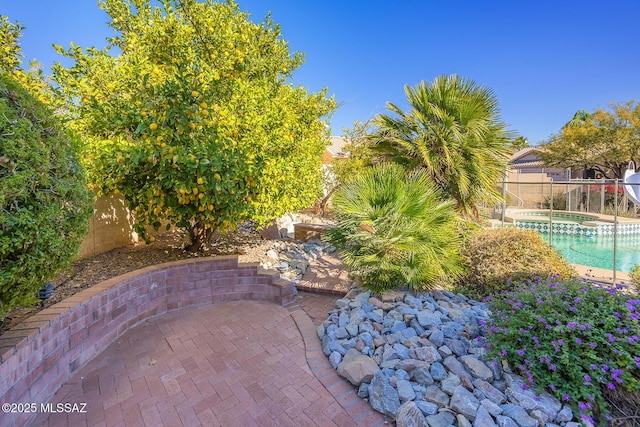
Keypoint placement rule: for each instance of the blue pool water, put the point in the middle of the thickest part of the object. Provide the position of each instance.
(597, 251)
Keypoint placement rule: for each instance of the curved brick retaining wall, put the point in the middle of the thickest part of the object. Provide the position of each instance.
(42, 353)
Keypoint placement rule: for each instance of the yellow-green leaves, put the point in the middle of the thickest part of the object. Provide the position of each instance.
(192, 120)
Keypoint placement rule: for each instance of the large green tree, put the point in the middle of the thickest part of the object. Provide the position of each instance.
(453, 130)
(190, 113)
(605, 141)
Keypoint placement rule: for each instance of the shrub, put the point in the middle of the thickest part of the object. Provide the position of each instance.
(573, 338)
(635, 276)
(497, 257)
(45, 203)
(393, 230)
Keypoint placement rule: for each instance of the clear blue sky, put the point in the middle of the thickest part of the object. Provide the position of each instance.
(544, 59)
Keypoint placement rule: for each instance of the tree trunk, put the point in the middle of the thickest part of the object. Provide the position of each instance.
(199, 234)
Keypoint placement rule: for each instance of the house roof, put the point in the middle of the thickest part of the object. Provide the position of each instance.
(336, 148)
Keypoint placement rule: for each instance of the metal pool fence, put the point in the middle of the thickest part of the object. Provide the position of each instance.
(588, 196)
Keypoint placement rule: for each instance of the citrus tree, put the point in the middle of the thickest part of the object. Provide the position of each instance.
(190, 113)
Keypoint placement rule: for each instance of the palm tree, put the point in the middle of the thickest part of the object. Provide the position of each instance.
(453, 130)
(393, 229)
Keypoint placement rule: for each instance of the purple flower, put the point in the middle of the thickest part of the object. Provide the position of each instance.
(594, 366)
(566, 397)
(587, 378)
(520, 352)
(552, 387)
(611, 386)
(552, 367)
(578, 341)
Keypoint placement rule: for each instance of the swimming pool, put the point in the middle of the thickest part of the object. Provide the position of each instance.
(585, 238)
(597, 251)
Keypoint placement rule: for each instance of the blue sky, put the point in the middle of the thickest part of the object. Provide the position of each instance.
(544, 60)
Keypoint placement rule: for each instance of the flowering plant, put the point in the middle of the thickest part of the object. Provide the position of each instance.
(573, 338)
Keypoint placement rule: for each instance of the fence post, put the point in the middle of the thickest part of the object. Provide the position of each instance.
(615, 229)
(551, 215)
(504, 195)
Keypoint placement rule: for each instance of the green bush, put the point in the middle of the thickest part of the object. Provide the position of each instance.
(393, 230)
(577, 340)
(497, 257)
(45, 202)
(635, 276)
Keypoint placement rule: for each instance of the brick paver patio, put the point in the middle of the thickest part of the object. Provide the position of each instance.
(243, 363)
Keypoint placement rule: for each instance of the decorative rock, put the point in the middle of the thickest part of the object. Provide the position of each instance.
(363, 390)
(483, 418)
(464, 402)
(450, 384)
(352, 329)
(454, 365)
(427, 408)
(435, 395)
(401, 351)
(428, 354)
(462, 421)
(382, 397)
(438, 371)
(442, 419)
(422, 376)
(405, 391)
(423, 355)
(565, 415)
(457, 347)
(491, 407)
(490, 392)
(477, 368)
(436, 337)
(519, 415)
(392, 296)
(505, 421)
(409, 415)
(539, 415)
(334, 359)
(357, 368)
(427, 319)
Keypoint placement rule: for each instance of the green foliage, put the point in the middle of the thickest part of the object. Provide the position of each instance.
(635, 276)
(44, 200)
(497, 257)
(604, 141)
(453, 131)
(34, 79)
(559, 201)
(394, 231)
(572, 338)
(195, 120)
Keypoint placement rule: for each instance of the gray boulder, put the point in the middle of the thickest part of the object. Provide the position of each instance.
(357, 368)
(409, 415)
(464, 402)
(382, 396)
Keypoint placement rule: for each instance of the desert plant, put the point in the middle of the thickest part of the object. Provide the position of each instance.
(635, 275)
(453, 131)
(559, 201)
(45, 204)
(497, 257)
(572, 338)
(393, 230)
